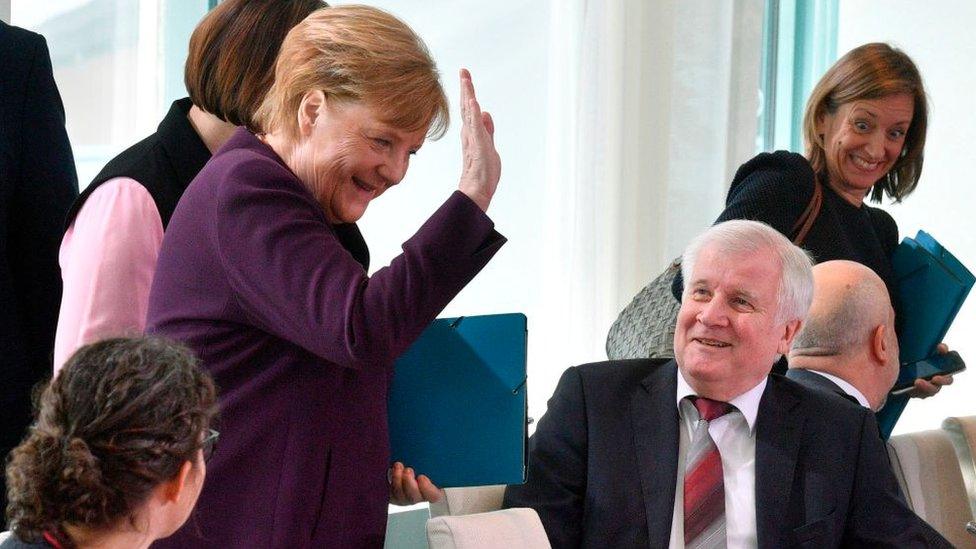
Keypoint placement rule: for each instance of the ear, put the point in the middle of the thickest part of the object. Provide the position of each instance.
(879, 345)
(821, 122)
(310, 111)
(172, 488)
(790, 329)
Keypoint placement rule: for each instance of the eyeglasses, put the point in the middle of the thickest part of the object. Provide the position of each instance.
(209, 444)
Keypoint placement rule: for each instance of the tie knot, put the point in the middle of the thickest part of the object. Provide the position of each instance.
(710, 409)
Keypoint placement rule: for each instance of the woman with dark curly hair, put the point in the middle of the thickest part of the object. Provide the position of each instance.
(117, 455)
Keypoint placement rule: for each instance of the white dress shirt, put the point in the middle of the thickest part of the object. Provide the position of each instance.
(846, 387)
(735, 437)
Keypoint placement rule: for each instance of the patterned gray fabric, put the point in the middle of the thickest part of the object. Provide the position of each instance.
(645, 328)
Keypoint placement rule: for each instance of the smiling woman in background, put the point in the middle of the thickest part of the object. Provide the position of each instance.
(263, 272)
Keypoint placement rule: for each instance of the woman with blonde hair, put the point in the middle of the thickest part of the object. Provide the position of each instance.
(263, 273)
(118, 452)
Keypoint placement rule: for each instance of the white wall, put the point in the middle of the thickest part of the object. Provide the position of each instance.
(941, 41)
(619, 129)
(504, 45)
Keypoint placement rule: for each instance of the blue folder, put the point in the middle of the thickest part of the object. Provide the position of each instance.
(457, 407)
(932, 286)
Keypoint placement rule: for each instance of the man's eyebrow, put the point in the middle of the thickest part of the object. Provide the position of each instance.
(739, 292)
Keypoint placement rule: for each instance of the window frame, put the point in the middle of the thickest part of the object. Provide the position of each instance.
(799, 45)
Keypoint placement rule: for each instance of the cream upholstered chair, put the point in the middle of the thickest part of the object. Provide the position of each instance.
(928, 471)
(470, 518)
(962, 433)
(468, 501)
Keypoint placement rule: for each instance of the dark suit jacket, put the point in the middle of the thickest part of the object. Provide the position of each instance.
(37, 185)
(603, 465)
(818, 382)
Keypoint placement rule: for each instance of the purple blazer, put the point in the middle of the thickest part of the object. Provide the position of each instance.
(301, 343)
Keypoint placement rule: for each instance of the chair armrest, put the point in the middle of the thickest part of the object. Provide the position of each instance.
(518, 527)
(467, 501)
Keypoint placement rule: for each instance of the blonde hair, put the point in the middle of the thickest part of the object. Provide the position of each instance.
(361, 54)
(871, 71)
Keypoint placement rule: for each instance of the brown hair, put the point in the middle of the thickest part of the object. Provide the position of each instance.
(356, 53)
(230, 64)
(871, 71)
(123, 416)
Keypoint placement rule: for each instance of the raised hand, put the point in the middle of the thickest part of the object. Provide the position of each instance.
(482, 166)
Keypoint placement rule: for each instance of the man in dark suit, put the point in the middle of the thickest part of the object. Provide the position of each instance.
(709, 450)
(37, 186)
(847, 345)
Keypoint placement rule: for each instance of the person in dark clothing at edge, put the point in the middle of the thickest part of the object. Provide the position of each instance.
(37, 185)
(864, 129)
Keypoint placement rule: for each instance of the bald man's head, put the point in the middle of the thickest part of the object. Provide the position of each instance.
(850, 329)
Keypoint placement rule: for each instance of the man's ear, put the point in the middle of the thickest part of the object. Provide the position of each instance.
(790, 329)
(310, 111)
(172, 488)
(879, 345)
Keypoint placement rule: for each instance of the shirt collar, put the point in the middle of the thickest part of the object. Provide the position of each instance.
(846, 387)
(747, 403)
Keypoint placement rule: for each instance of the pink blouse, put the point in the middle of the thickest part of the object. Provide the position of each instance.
(108, 256)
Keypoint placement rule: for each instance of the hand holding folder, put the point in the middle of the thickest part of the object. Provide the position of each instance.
(457, 407)
(932, 286)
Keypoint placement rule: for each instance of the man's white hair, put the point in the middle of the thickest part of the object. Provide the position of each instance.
(740, 237)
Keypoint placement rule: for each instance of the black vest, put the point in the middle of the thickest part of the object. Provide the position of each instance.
(164, 163)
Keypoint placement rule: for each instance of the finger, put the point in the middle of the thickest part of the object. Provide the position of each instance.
(467, 95)
(473, 119)
(942, 380)
(942, 348)
(411, 490)
(925, 389)
(428, 491)
(467, 85)
(396, 481)
(395, 473)
(489, 124)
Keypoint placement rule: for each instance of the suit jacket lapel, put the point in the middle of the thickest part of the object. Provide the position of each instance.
(654, 416)
(778, 430)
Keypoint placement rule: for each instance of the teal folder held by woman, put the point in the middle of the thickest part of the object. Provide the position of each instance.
(457, 408)
(932, 286)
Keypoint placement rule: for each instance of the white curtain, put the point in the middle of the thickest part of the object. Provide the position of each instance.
(652, 105)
